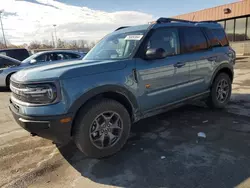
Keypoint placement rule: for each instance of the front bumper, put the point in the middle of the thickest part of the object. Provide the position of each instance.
(49, 127)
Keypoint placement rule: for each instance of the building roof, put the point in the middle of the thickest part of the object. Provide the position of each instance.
(237, 9)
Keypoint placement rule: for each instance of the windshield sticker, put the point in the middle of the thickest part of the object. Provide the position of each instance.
(133, 37)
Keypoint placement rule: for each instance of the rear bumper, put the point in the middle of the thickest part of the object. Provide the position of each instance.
(46, 127)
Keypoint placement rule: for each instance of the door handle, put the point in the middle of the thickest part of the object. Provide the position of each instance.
(179, 64)
(212, 58)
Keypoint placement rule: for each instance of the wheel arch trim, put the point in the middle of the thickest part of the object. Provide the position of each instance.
(91, 94)
(219, 68)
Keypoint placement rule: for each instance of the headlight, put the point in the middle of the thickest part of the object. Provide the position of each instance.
(36, 93)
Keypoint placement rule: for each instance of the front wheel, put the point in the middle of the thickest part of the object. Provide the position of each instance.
(220, 92)
(102, 128)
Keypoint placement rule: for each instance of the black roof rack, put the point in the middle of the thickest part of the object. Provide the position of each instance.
(121, 28)
(208, 21)
(169, 20)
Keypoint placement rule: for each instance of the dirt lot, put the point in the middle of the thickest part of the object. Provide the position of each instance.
(163, 151)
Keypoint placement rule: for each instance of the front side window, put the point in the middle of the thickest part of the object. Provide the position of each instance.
(116, 46)
(41, 58)
(193, 40)
(167, 39)
(47, 57)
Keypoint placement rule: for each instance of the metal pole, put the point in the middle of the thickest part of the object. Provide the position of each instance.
(2, 29)
(55, 36)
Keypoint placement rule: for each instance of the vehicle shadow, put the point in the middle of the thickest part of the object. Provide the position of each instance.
(4, 89)
(164, 151)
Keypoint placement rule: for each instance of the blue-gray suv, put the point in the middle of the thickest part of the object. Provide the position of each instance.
(133, 73)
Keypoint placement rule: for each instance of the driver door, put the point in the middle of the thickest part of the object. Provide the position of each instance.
(162, 81)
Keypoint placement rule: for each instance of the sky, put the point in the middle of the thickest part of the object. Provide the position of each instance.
(32, 20)
(157, 8)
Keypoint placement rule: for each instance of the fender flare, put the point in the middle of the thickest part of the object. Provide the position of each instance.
(219, 68)
(77, 104)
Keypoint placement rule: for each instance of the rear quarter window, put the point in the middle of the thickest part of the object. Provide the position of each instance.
(221, 36)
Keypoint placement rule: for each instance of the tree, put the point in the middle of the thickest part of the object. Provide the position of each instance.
(60, 44)
(73, 44)
(2, 45)
(82, 44)
(35, 45)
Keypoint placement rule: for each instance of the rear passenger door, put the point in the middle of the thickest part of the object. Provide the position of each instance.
(199, 57)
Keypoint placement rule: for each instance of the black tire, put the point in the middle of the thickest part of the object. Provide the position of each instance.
(213, 101)
(83, 124)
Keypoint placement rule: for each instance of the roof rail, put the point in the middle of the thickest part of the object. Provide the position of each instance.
(123, 27)
(169, 20)
(208, 21)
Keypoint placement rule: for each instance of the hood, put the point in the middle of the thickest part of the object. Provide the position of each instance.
(66, 70)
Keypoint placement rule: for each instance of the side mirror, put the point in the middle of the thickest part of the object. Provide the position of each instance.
(32, 61)
(155, 53)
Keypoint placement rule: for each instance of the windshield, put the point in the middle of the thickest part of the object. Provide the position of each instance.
(27, 60)
(116, 46)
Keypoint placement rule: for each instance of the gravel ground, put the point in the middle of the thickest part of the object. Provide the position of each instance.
(163, 151)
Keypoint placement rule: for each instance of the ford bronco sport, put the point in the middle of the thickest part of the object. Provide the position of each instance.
(133, 73)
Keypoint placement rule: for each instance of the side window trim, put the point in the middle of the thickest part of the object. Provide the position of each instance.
(209, 45)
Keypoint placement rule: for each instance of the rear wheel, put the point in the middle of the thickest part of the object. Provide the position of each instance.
(102, 128)
(220, 92)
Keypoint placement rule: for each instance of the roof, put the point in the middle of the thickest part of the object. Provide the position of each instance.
(10, 49)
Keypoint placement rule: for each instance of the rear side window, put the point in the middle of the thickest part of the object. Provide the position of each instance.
(221, 36)
(71, 56)
(193, 40)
